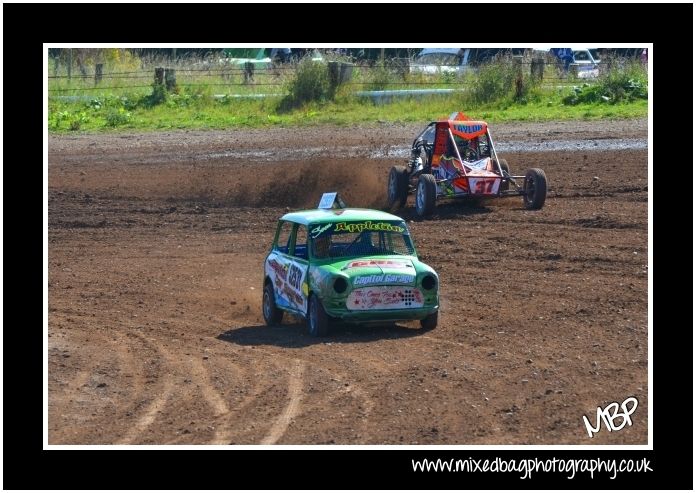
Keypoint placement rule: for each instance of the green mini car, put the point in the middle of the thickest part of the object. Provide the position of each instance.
(353, 265)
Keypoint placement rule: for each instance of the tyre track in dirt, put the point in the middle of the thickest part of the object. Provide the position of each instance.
(149, 414)
(63, 393)
(295, 384)
(97, 377)
(324, 385)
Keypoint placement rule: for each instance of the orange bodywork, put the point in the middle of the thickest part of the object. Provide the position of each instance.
(482, 179)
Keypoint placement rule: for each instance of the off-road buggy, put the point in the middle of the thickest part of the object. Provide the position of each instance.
(456, 158)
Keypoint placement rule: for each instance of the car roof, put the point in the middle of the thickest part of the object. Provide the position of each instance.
(338, 215)
(573, 48)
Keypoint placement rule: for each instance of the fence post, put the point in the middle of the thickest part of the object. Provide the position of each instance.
(346, 73)
(159, 76)
(170, 79)
(69, 64)
(519, 81)
(98, 73)
(538, 69)
(333, 76)
(248, 72)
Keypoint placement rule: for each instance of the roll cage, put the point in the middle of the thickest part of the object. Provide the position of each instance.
(424, 146)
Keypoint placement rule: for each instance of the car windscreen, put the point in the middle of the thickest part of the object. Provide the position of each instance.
(440, 59)
(581, 56)
(480, 56)
(360, 238)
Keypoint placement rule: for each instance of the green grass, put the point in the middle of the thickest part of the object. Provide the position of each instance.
(206, 113)
(132, 105)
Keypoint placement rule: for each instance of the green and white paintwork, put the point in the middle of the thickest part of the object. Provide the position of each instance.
(379, 287)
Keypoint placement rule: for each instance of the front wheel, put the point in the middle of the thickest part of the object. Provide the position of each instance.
(425, 195)
(535, 185)
(429, 322)
(317, 319)
(397, 188)
(271, 314)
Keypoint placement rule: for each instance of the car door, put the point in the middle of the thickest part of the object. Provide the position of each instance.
(287, 267)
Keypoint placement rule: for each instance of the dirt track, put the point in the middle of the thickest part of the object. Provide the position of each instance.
(155, 335)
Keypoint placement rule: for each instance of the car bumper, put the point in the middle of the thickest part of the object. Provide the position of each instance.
(382, 315)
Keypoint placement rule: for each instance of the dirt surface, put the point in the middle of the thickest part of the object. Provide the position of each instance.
(155, 335)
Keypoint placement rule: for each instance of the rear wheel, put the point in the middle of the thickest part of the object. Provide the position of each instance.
(271, 314)
(504, 185)
(429, 322)
(535, 185)
(425, 195)
(317, 319)
(397, 188)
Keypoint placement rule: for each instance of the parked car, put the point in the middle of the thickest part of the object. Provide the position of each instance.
(266, 58)
(456, 158)
(437, 60)
(353, 265)
(456, 60)
(238, 57)
(586, 62)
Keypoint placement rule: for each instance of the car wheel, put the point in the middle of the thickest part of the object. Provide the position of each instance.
(535, 185)
(397, 188)
(317, 319)
(425, 195)
(504, 185)
(429, 322)
(271, 314)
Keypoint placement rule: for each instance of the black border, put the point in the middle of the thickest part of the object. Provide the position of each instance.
(27, 466)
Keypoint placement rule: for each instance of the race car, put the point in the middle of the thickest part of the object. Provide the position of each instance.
(354, 265)
(456, 158)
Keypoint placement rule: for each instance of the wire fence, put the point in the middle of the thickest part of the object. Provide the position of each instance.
(250, 76)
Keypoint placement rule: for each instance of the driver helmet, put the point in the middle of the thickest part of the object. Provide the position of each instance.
(465, 146)
(322, 246)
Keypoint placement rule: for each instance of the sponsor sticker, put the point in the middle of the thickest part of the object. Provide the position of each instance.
(280, 270)
(319, 229)
(384, 297)
(384, 279)
(367, 226)
(395, 264)
(468, 129)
